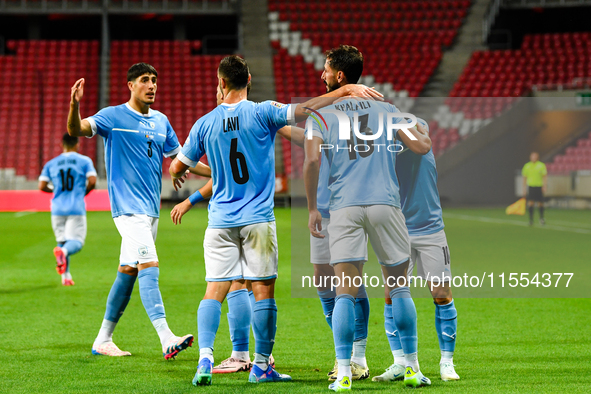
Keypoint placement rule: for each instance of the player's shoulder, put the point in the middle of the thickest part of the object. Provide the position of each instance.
(154, 113)
(268, 104)
(206, 121)
(53, 160)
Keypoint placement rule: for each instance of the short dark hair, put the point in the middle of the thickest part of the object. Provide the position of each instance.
(348, 59)
(69, 141)
(140, 69)
(234, 70)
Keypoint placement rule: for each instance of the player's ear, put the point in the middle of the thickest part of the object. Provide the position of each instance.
(249, 77)
(130, 85)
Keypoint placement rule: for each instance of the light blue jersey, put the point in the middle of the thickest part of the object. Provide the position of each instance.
(361, 172)
(135, 145)
(239, 141)
(323, 192)
(68, 173)
(419, 196)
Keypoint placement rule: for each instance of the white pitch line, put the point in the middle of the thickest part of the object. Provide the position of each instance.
(514, 223)
(20, 214)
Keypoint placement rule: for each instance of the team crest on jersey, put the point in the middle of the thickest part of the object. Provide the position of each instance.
(150, 137)
(148, 124)
(276, 104)
(143, 251)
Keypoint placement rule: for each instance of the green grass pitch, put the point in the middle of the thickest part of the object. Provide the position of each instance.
(504, 344)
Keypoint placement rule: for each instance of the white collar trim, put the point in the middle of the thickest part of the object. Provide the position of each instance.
(234, 104)
(129, 107)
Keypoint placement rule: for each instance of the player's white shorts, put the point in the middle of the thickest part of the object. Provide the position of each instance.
(319, 247)
(245, 252)
(350, 227)
(430, 254)
(67, 228)
(138, 237)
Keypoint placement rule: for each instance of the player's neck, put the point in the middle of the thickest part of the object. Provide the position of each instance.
(235, 96)
(69, 150)
(139, 106)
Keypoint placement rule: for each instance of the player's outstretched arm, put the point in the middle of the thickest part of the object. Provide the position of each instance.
(327, 99)
(180, 209)
(311, 170)
(293, 134)
(90, 184)
(422, 144)
(177, 171)
(44, 187)
(201, 170)
(76, 126)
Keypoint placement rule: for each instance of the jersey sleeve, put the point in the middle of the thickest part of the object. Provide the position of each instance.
(101, 123)
(90, 170)
(171, 145)
(193, 148)
(275, 114)
(544, 170)
(45, 174)
(524, 170)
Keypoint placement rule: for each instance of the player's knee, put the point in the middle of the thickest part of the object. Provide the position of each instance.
(443, 301)
(129, 270)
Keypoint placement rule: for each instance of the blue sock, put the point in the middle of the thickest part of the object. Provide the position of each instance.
(119, 296)
(239, 317)
(72, 246)
(327, 300)
(391, 332)
(150, 293)
(252, 302)
(208, 322)
(264, 326)
(405, 318)
(446, 324)
(361, 314)
(343, 325)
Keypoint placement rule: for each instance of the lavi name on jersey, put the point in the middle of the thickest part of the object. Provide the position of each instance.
(231, 124)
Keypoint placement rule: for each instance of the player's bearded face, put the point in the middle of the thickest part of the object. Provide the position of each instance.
(329, 78)
(144, 88)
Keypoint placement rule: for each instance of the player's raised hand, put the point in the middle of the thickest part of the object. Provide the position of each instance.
(315, 224)
(361, 90)
(179, 210)
(77, 91)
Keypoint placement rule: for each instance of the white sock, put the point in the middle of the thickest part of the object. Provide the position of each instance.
(66, 275)
(163, 331)
(412, 361)
(359, 360)
(344, 369)
(447, 357)
(240, 355)
(206, 352)
(64, 251)
(105, 333)
(261, 361)
(399, 357)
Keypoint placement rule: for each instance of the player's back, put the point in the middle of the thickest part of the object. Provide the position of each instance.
(362, 171)
(68, 173)
(419, 197)
(239, 142)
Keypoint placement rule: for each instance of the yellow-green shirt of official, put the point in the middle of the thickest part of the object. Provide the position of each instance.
(535, 173)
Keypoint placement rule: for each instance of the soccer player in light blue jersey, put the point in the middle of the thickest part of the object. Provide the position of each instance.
(417, 176)
(240, 241)
(345, 68)
(136, 140)
(364, 203)
(72, 176)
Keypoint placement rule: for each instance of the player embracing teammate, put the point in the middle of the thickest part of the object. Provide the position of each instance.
(364, 203)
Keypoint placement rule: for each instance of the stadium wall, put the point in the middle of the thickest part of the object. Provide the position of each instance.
(482, 169)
